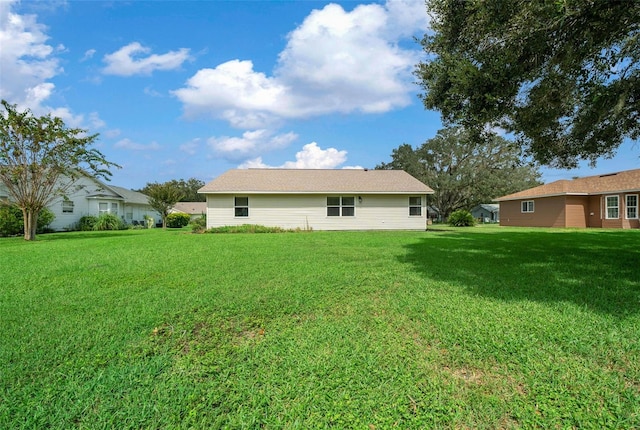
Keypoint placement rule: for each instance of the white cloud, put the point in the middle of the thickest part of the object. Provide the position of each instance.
(112, 133)
(249, 144)
(311, 157)
(134, 146)
(129, 60)
(88, 55)
(334, 62)
(191, 147)
(26, 60)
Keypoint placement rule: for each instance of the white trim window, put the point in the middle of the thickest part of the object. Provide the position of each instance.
(67, 206)
(612, 204)
(341, 206)
(632, 206)
(527, 206)
(241, 207)
(415, 206)
(103, 208)
(114, 208)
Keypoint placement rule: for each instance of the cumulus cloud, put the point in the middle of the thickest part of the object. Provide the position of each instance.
(130, 145)
(88, 55)
(334, 62)
(311, 157)
(249, 144)
(27, 61)
(131, 60)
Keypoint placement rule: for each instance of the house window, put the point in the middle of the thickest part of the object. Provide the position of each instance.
(129, 214)
(67, 207)
(241, 206)
(415, 206)
(103, 208)
(632, 206)
(114, 208)
(341, 206)
(527, 206)
(613, 208)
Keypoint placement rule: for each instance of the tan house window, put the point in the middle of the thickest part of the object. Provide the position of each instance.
(341, 206)
(241, 206)
(415, 206)
(527, 206)
(612, 204)
(67, 206)
(632, 206)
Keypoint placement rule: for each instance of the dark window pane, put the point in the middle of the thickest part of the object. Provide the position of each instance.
(415, 210)
(348, 201)
(242, 201)
(333, 201)
(333, 211)
(415, 201)
(348, 211)
(242, 211)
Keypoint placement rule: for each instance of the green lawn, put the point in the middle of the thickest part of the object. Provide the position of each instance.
(483, 327)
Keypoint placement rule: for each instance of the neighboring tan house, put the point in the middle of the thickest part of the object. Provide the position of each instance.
(347, 199)
(486, 213)
(193, 209)
(89, 196)
(603, 201)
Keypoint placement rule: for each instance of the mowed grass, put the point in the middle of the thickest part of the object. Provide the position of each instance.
(454, 328)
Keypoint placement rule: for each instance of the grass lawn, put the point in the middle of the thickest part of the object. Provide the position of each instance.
(483, 327)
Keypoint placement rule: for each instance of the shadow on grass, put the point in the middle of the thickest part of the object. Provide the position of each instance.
(596, 269)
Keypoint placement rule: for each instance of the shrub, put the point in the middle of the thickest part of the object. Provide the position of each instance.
(87, 222)
(12, 220)
(178, 220)
(461, 218)
(108, 221)
(251, 228)
(199, 225)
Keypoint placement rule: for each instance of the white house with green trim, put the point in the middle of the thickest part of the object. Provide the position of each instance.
(318, 199)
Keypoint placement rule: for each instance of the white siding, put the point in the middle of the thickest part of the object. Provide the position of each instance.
(375, 212)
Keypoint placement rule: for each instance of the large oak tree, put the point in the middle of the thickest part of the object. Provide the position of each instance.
(563, 76)
(41, 158)
(462, 172)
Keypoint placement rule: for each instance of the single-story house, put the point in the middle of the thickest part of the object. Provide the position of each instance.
(318, 199)
(486, 213)
(90, 196)
(601, 201)
(193, 209)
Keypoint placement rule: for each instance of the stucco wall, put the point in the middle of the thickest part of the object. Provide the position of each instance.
(374, 212)
(548, 212)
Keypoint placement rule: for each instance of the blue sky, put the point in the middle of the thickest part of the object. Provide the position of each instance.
(181, 89)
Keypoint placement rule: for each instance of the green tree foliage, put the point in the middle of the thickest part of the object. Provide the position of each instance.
(461, 218)
(178, 220)
(188, 188)
(464, 173)
(563, 76)
(40, 159)
(12, 222)
(162, 197)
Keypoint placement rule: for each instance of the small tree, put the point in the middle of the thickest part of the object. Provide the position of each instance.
(162, 197)
(40, 160)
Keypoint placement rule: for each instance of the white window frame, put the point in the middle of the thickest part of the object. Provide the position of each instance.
(344, 207)
(114, 208)
(616, 207)
(105, 210)
(635, 207)
(413, 206)
(530, 206)
(240, 210)
(67, 206)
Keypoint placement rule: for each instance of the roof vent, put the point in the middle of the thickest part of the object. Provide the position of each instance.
(608, 174)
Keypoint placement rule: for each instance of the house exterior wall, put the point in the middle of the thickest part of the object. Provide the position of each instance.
(568, 211)
(375, 212)
(548, 212)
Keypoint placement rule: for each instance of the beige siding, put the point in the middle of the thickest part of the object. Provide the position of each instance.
(375, 212)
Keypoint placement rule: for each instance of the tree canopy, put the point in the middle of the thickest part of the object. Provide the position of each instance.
(162, 197)
(41, 158)
(189, 189)
(562, 76)
(462, 172)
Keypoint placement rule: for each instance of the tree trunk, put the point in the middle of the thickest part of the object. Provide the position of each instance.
(30, 223)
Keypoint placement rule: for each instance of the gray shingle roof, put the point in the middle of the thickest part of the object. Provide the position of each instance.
(131, 196)
(314, 181)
